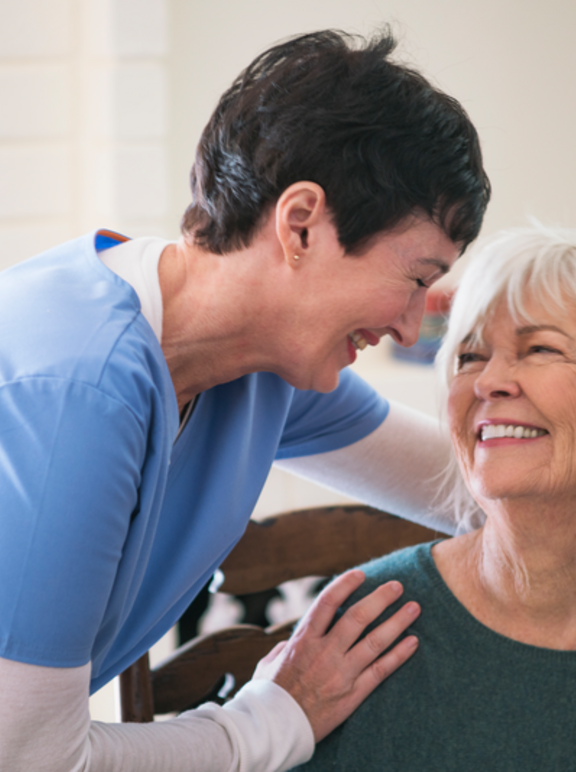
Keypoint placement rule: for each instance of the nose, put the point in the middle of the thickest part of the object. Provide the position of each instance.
(406, 328)
(497, 380)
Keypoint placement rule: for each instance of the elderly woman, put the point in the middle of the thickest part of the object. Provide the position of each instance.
(146, 387)
(492, 685)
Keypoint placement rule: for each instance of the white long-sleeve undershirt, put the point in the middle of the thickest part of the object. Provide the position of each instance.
(45, 727)
(396, 468)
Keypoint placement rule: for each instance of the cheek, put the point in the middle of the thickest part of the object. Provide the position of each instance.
(459, 421)
(456, 409)
(554, 396)
(389, 301)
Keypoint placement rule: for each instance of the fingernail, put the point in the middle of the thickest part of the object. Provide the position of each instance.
(396, 587)
(412, 608)
(412, 642)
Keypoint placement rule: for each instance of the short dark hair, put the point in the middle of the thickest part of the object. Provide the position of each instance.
(332, 108)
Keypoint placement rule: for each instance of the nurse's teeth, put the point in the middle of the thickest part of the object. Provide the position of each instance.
(358, 340)
(494, 431)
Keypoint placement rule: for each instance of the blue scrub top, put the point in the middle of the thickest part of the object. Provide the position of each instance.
(109, 528)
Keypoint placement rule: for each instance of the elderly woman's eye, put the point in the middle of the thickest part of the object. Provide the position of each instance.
(467, 358)
(543, 350)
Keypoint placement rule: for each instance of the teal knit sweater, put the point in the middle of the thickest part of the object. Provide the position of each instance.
(470, 700)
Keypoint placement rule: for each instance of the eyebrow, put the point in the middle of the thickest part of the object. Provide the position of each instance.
(529, 329)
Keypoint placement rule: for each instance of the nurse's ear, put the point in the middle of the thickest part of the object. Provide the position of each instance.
(300, 211)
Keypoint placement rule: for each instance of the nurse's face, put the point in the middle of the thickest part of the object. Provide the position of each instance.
(357, 299)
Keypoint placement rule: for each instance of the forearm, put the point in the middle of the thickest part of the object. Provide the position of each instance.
(45, 726)
(177, 745)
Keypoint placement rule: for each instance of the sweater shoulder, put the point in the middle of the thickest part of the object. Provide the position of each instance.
(412, 566)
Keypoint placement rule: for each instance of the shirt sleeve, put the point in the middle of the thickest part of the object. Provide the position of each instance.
(402, 467)
(45, 727)
(70, 461)
(318, 423)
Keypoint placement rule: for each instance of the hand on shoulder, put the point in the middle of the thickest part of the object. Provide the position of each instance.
(325, 667)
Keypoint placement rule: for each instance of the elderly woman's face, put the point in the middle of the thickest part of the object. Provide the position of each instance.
(512, 406)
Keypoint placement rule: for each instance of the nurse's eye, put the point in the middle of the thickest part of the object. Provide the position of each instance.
(429, 279)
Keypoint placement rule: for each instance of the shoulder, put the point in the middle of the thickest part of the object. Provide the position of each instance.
(413, 567)
(73, 320)
(65, 311)
(410, 564)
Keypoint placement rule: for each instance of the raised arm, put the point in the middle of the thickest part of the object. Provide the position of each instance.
(396, 468)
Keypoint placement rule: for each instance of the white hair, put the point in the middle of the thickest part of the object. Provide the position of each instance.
(537, 262)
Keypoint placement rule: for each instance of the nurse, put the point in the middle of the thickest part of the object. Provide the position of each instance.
(146, 388)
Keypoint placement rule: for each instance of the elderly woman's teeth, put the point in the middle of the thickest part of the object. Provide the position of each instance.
(358, 340)
(495, 431)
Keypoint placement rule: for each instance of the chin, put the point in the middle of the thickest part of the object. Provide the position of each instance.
(498, 490)
(326, 389)
(322, 380)
(321, 383)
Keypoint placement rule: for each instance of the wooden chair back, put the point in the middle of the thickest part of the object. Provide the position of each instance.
(312, 542)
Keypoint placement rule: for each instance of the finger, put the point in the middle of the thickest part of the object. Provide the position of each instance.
(366, 682)
(383, 667)
(320, 615)
(362, 613)
(382, 637)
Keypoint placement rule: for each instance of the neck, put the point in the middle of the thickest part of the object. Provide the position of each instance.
(517, 575)
(215, 315)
